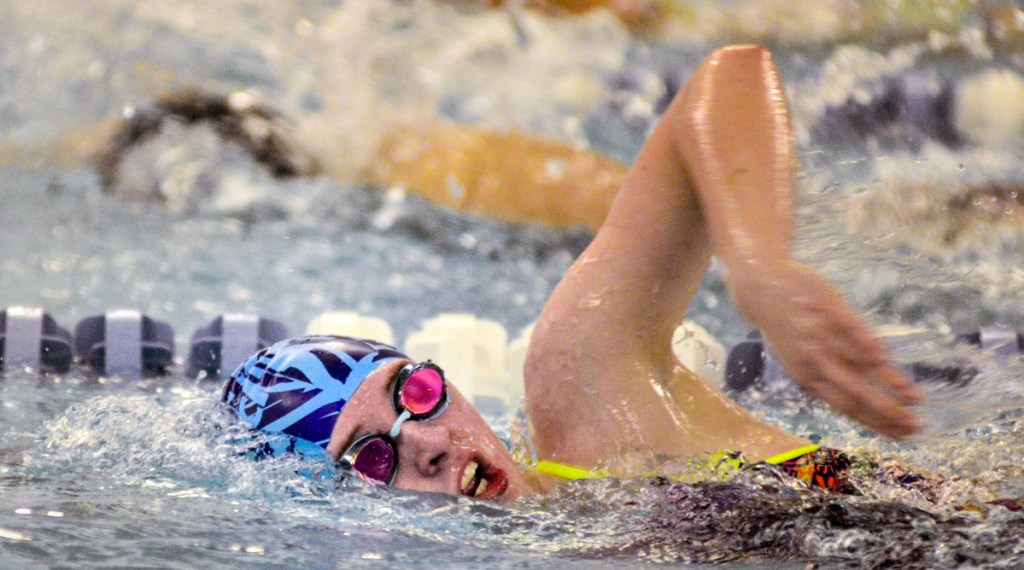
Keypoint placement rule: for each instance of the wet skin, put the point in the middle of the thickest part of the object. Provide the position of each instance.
(436, 455)
(715, 177)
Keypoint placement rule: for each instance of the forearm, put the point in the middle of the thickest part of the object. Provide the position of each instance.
(733, 135)
(715, 176)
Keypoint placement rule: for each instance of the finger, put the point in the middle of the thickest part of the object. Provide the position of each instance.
(855, 342)
(902, 387)
(864, 352)
(866, 355)
(860, 400)
(851, 392)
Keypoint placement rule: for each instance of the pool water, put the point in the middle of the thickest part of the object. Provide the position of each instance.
(147, 473)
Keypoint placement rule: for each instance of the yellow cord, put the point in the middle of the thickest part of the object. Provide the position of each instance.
(718, 461)
(792, 454)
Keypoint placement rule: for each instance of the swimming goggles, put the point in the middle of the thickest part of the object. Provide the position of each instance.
(420, 393)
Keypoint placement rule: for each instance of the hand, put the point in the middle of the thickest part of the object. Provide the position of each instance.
(826, 348)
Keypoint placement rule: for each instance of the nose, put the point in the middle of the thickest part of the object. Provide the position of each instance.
(425, 445)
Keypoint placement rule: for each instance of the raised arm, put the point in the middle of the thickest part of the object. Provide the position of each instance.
(715, 174)
(744, 192)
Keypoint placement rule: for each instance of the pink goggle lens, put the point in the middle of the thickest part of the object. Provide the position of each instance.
(423, 391)
(375, 461)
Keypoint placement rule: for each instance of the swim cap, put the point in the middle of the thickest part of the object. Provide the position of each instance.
(299, 386)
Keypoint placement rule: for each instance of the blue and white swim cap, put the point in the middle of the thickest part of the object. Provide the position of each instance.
(299, 386)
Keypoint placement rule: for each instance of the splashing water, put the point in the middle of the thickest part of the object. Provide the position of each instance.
(151, 473)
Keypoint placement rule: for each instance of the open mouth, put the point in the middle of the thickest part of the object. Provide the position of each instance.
(482, 481)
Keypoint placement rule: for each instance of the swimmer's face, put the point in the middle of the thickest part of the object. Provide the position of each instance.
(455, 453)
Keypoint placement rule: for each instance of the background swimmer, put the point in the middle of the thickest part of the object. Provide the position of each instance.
(422, 144)
(603, 389)
(505, 174)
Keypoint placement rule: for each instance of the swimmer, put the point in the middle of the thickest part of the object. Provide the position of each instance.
(604, 393)
(456, 166)
(504, 173)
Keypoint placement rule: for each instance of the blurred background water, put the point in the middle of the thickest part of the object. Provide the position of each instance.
(904, 115)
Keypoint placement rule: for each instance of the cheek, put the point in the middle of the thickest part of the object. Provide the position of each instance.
(466, 424)
(470, 431)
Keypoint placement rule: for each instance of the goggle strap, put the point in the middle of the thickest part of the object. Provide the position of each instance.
(395, 429)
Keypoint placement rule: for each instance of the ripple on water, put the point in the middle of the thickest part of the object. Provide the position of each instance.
(138, 473)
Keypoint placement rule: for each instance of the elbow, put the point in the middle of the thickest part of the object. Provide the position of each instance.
(732, 77)
(737, 53)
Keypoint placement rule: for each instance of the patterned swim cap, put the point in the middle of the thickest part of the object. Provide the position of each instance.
(299, 386)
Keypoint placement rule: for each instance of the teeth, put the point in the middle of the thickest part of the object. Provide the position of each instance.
(468, 474)
(481, 488)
